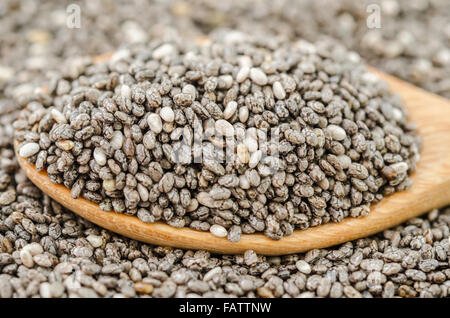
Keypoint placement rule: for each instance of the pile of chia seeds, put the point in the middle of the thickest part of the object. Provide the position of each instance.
(239, 135)
(47, 251)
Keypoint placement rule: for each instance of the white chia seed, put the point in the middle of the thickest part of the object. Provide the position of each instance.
(224, 128)
(155, 123)
(230, 110)
(99, 156)
(278, 90)
(29, 149)
(258, 76)
(243, 73)
(167, 114)
(218, 230)
(336, 132)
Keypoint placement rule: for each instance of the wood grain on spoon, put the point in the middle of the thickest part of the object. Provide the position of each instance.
(431, 189)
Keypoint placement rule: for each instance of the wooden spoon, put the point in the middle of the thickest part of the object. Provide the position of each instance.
(431, 189)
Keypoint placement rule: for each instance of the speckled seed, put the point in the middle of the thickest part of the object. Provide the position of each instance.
(7, 197)
(230, 109)
(212, 273)
(167, 114)
(193, 205)
(218, 230)
(278, 90)
(258, 76)
(220, 193)
(43, 260)
(336, 132)
(400, 167)
(224, 128)
(95, 240)
(155, 123)
(29, 150)
(100, 156)
(345, 161)
(204, 198)
(190, 90)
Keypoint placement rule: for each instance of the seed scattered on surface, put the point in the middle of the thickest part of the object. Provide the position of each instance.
(345, 161)
(265, 292)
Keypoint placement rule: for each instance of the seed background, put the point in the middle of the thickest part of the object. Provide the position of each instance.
(70, 257)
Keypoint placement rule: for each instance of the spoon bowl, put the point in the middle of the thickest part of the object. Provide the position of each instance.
(430, 189)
